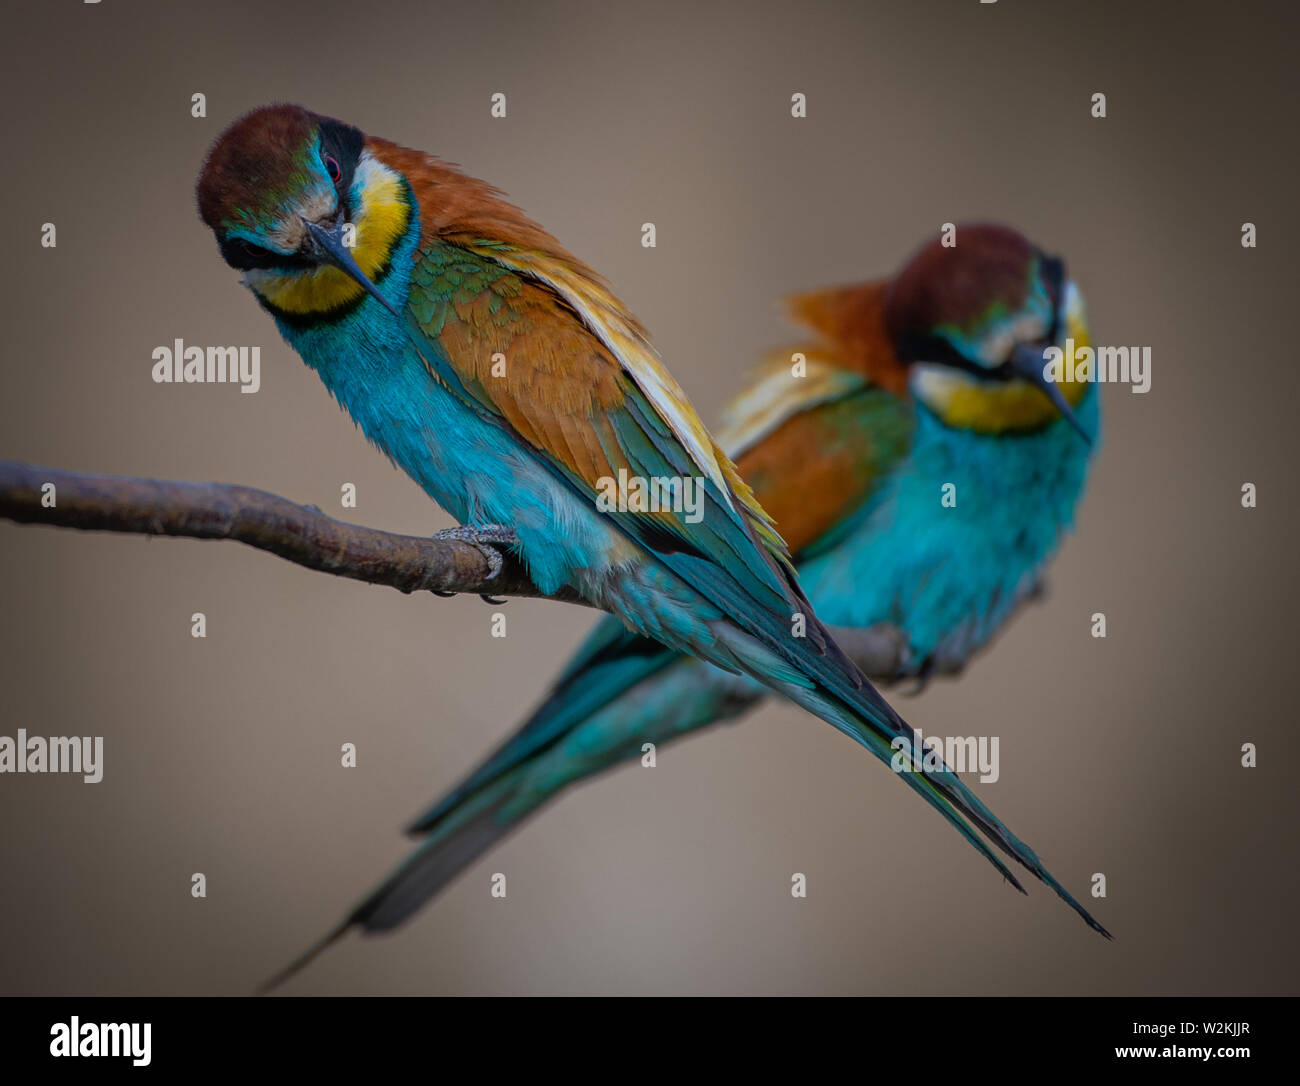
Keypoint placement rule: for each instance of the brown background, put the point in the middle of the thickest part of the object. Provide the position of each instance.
(222, 755)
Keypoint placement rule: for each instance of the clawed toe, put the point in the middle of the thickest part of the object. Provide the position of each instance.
(481, 536)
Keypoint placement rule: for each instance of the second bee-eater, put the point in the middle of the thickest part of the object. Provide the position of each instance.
(503, 376)
(847, 444)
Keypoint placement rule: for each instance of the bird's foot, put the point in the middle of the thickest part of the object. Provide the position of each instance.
(921, 676)
(485, 538)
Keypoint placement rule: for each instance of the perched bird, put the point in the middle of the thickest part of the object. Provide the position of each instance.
(849, 456)
(503, 376)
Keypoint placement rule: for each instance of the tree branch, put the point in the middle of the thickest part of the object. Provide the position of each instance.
(299, 533)
(306, 536)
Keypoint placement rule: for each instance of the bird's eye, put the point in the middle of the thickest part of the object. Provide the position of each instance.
(252, 250)
(335, 170)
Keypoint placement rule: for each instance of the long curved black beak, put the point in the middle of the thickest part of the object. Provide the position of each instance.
(326, 246)
(1026, 362)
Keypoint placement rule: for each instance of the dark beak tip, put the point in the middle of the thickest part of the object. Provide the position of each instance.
(1026, 363)
(327, 246)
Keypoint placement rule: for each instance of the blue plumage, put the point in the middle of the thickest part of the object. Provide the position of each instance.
(397, 278)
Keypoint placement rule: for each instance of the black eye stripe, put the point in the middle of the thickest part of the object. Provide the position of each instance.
(914, 347)
(1054, 276)
(245, 255)
(344, 144)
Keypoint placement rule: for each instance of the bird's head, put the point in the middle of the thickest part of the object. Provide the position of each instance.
(971, 323)
(300, 206)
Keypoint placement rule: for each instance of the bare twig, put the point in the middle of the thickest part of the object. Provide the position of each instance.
(300, 533)
(306, 536)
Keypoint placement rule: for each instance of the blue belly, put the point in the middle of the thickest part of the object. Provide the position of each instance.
(470, 467)
(949, 577)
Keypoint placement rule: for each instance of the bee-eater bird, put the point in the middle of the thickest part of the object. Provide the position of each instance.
(847, 455)
(503, 376)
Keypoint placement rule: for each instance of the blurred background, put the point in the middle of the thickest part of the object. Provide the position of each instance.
(1119, 756)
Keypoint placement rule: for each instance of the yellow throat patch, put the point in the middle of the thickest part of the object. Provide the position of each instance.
(966, 402)
(381, 220)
